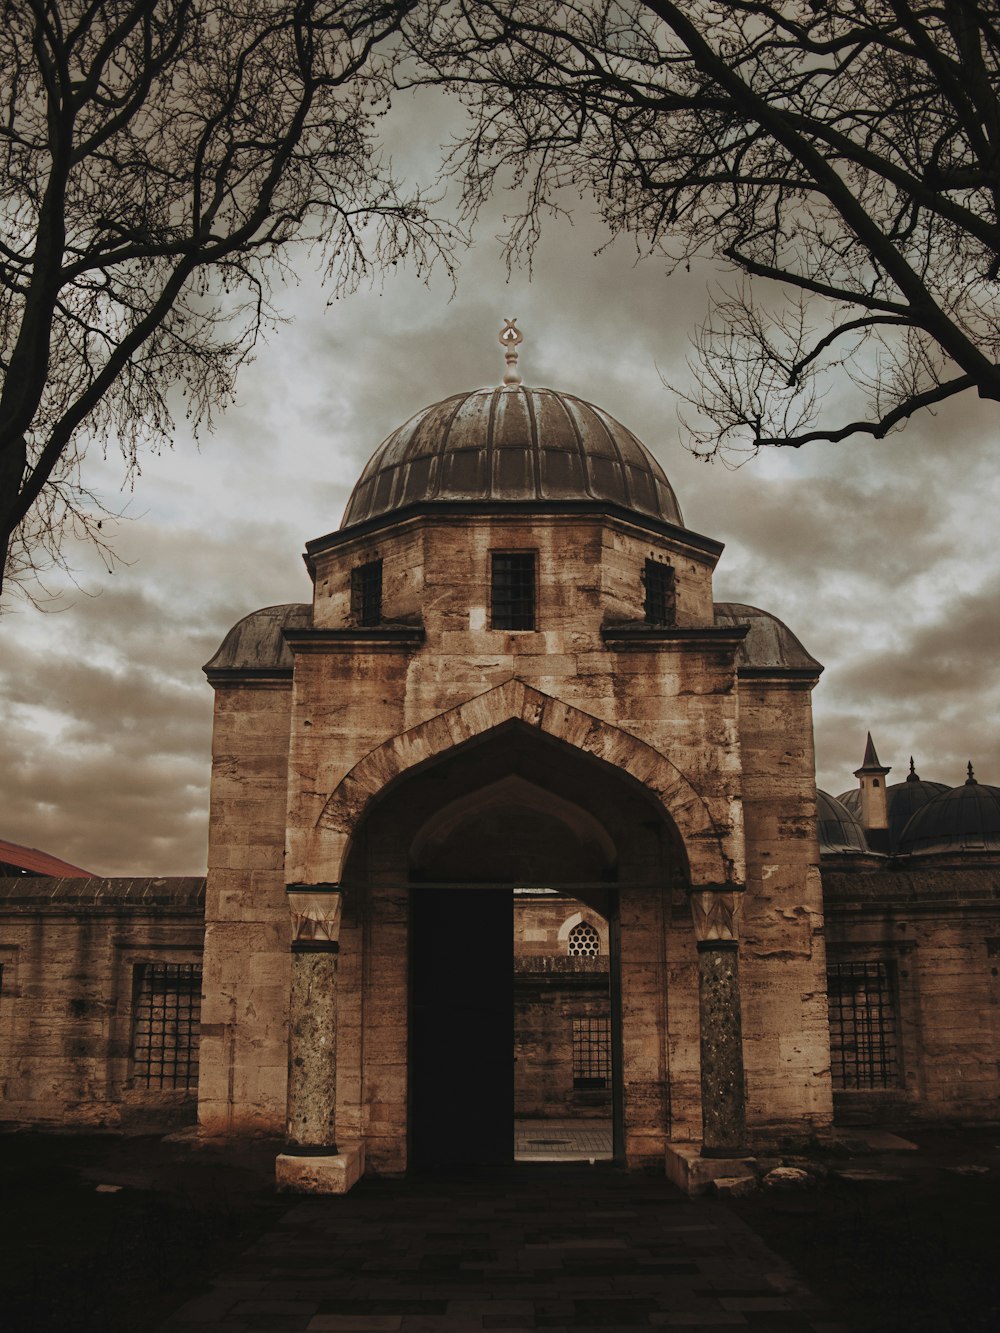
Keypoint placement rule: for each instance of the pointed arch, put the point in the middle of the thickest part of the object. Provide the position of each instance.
(713, 851)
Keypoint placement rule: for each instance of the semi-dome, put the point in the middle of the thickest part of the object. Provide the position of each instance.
(507, 446)
(963, 821)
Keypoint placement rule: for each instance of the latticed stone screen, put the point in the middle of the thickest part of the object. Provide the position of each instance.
(862, 1025)
(584, 941)
(166, 1013)
(591, 1052)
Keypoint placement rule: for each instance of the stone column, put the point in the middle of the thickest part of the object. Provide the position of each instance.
(313, 1162)
(723, 1099)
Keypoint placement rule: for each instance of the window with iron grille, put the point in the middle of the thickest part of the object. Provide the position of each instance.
(584, 941)
(591, 1052)
(165, 1015)
(366, 593)
(660, 605)
(513, 590)
(862, 1025)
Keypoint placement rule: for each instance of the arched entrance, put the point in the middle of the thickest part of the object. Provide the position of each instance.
(433, 873)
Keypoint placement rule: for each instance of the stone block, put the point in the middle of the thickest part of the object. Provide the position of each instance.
(334, 1174)
(695, 1174)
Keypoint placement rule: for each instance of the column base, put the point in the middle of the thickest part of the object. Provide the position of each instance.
(694, 1174)
(334, 1173)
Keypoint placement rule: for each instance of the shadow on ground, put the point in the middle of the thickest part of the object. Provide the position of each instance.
(113, 1234)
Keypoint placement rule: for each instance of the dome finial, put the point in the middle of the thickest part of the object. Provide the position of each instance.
(509, 337)
(970, 781)
(913, 775)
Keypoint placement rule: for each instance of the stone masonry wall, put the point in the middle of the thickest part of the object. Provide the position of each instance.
(782, 953)
(938, 933)
(247, 973)
(69, 949)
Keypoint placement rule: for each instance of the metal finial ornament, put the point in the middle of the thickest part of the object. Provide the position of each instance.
(913, 775)
(970, 781)
(509, 337)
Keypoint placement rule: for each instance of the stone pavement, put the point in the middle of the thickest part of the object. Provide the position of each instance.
(558, 1247)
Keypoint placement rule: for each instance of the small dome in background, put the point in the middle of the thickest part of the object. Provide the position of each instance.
(902, 800)
(838, 830)
(507, 446)
(962, 821)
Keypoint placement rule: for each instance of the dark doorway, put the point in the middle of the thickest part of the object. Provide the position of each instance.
(461, 1026)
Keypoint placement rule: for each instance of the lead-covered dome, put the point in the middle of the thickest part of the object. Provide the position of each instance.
(963, 822)
(508, 445)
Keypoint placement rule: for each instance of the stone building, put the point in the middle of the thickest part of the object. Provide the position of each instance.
(515, 820)
(512, 674)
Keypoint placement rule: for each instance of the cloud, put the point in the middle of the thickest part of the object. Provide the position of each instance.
(879, 556)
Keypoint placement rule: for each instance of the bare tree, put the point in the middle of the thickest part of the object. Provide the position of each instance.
(159, 157)
(843, 157)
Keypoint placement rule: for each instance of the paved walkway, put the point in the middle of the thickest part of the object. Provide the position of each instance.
(560, 1247)
(563, 1141)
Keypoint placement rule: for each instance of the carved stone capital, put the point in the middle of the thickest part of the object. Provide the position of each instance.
(315, 911)
(716, 912)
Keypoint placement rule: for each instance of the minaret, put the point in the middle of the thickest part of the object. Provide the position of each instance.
(871, 775)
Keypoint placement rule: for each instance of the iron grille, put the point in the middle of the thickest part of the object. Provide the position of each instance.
(366, 593)
(166, 1013)
(862, 1025)
(591, 1052)
(513, 590)
(661, 598)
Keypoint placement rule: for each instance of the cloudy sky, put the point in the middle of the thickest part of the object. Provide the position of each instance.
(881, 557)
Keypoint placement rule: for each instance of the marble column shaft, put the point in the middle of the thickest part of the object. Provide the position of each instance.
(716, 913)
(312, 1033)
(722, 1082)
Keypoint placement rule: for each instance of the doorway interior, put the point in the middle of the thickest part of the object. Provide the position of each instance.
(514, 1026)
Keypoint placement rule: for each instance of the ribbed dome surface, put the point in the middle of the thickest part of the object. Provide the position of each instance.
(837, 829)
(902, 801)
(509, 445)
(965, 819)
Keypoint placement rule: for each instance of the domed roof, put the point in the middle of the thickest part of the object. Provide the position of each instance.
(902, 800)
(510, 445)
(770, 645)
(838, 831)
(255, 644)
(963, 820)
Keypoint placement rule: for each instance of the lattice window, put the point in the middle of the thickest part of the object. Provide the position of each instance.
(862, 1025)
(366, 593)
(660, 605)
(584, 941)
(591, 1052)
(165, 1016)
(513, 590)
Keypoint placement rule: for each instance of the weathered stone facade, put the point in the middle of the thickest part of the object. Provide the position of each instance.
(82, 960)
(661, 772)
(392, 760)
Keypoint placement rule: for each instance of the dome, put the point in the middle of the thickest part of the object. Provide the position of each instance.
(508, 446)
(770, 644)
(838, 831)
(255, 644)
(963, 820)
(902, 800)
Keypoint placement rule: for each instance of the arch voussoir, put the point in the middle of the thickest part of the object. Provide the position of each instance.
(514, 701)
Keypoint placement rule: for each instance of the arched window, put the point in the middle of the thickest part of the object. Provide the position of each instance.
(584, 941)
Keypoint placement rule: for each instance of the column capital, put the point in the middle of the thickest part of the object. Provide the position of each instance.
(315, 910)
(715, 910)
